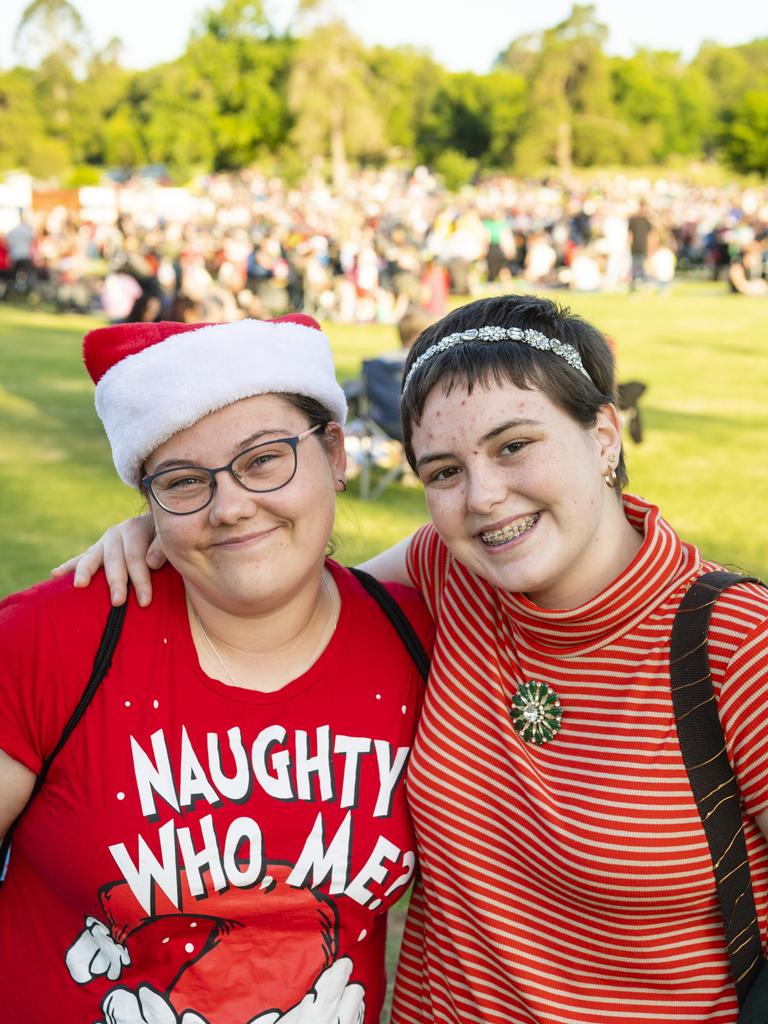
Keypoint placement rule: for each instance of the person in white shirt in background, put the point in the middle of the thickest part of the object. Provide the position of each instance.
(661, 265)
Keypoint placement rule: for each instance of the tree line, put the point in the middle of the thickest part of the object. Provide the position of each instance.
(244, 92)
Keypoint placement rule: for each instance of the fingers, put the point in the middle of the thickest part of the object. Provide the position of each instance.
(84, 565)
(115, 568)
(125, 551)
(154, 1008)
(155, 554)
(130, 560)
(352, 1008)
(145, 1006)
(322, 1004)
(69, 566)
(330, 986)
(88, 564)
(94, 953)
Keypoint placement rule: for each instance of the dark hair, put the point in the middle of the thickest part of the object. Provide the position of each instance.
(478, 363)
(316, 413)
(314, 410)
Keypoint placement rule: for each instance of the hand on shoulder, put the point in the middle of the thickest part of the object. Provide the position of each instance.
(128, 550)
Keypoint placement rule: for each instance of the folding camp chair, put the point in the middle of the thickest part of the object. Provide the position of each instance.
(630, 393)
(374, 435)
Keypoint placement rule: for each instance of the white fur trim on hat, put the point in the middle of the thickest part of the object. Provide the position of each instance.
(148, 397)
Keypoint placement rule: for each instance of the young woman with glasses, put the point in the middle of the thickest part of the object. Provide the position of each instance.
(223, 832)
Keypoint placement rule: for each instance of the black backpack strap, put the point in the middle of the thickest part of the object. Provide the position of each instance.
(714, 785)
(397, 617)
(101, 665)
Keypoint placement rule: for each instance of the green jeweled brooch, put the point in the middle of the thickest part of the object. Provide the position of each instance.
(536, 713)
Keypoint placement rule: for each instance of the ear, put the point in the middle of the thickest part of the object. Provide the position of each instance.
(337, 455)
(607, 434)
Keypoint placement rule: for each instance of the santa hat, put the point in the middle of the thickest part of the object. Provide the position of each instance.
(155, 379)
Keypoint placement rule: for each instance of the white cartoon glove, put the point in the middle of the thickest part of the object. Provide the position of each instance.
(95, 952)
(331, 1001)
(145, 1006)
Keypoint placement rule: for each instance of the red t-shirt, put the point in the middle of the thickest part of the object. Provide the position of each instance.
(220, 850)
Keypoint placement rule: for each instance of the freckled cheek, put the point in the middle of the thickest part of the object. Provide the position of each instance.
(446, 510)
(434, 504)
(176, 539)
(554, 476)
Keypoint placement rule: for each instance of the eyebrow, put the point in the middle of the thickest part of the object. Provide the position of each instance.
(507, 426)
(490, 436)
(239, 447)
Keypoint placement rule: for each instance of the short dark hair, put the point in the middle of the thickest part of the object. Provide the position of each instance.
(478, 363)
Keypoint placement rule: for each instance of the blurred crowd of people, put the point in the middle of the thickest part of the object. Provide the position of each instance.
(393, 244)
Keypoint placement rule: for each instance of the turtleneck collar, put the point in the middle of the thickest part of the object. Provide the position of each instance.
(660, 564)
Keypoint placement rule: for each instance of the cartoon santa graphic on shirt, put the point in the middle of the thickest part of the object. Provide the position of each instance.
(196, 963)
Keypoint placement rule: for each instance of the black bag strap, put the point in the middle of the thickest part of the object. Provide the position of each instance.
(397, 617)
(714, 785)
(101, 665)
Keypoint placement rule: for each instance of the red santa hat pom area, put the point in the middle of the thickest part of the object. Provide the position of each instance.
(155, 379)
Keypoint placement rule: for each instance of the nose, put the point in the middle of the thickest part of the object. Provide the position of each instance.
(230, 502)
(486, 488)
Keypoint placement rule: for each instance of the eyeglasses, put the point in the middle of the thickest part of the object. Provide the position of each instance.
(269, 466)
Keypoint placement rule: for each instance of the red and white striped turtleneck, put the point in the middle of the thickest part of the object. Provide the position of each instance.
(571, 883)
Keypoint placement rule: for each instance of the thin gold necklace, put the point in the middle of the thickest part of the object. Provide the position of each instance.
(219, 658)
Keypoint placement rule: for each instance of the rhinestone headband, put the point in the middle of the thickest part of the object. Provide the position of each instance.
(528, 337)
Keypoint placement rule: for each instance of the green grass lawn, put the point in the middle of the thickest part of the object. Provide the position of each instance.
(702, 352)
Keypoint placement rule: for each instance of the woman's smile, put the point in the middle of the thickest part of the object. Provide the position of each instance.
(244, 539)
(510, 533)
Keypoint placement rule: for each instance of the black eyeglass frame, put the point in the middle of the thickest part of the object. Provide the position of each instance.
(147, 481)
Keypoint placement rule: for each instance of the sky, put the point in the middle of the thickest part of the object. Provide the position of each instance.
(464, 35)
